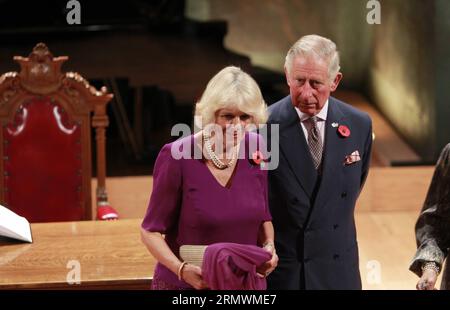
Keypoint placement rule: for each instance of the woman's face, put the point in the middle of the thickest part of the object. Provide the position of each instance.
(233, 123)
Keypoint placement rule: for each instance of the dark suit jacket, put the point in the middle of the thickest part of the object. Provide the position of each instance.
(313, 215)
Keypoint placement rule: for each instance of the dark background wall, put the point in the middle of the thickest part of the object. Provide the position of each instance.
(442, 72)
(167, 50)
(403, 71)
(265, 29)
(402, 64)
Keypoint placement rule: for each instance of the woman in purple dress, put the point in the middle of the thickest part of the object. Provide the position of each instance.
(220, 195)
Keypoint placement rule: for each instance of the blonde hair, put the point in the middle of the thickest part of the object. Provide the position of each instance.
(315, 45)
(231, 88)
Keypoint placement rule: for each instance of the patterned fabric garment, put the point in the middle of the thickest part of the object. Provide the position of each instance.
(432, 227)
(315, 142)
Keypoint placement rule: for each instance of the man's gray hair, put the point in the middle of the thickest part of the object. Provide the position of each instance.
(317, 46)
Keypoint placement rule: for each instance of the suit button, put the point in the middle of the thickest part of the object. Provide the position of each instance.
(306, 260)
(335, 226)
(343, 194)
(336, 256)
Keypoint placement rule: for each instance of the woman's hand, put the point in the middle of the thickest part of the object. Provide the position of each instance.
(428, 280)
(192, 275)
(265, 269)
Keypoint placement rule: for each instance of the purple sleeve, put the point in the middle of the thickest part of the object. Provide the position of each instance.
(267, 215)
(165, 201)
(261, 146)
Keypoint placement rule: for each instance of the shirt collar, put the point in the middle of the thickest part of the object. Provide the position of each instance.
(322, 115)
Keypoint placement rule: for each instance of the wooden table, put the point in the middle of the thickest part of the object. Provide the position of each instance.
(104, 255)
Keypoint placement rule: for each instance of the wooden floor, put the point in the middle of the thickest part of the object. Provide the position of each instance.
(386, 247)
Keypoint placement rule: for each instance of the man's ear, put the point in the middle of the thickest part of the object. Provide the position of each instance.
(287, 76)
(336, 81)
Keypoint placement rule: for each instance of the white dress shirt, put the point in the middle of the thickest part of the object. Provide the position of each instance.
(321, 120)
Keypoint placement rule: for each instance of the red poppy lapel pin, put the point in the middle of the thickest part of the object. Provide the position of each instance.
(257, 159)
(344, 131)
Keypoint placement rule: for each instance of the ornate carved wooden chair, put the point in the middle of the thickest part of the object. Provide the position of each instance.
(45, 141)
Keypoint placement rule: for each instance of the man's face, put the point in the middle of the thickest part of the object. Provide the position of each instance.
(309, 84)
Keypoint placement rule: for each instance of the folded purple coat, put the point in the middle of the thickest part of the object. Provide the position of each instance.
(232, 266)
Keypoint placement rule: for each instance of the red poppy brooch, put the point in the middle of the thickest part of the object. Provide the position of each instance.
(343, 131)
(257, 159)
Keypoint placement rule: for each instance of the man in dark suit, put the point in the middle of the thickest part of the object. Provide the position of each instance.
(324, 155)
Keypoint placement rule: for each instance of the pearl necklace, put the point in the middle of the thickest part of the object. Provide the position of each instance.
(215, 160)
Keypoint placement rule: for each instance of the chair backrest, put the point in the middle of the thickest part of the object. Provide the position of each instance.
(46, 121)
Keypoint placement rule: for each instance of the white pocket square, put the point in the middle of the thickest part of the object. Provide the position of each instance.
(352, 158)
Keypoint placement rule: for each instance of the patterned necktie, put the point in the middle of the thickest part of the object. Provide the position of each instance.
(315, 142)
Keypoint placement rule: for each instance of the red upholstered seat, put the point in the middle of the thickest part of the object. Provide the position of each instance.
(43, 133)
(46, 119)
